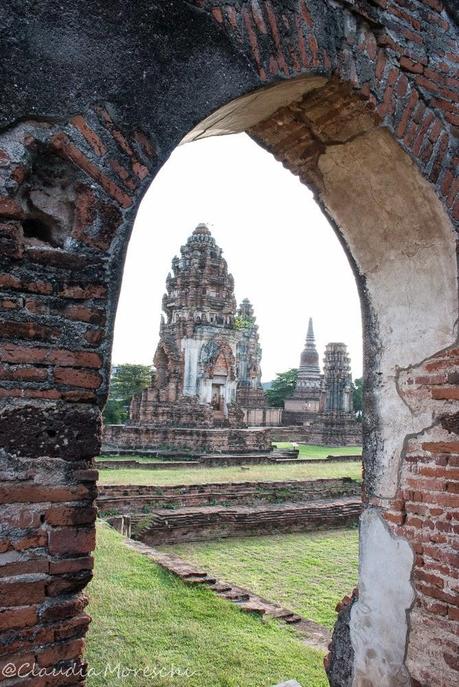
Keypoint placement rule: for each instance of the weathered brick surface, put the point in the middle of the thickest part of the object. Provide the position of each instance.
(390, 63)
(135, 499)
(426, 512)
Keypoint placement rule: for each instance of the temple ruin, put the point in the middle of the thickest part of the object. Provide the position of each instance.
(359, 101)
(322, 403)
(207, 371)
(207, 362)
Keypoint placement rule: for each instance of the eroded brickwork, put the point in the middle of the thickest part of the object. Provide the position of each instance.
(63, 199)
(426, 513)
(69, 188)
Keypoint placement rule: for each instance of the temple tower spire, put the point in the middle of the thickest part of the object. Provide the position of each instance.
(305, 400)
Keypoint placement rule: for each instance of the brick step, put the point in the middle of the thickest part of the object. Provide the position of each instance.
(312, 633)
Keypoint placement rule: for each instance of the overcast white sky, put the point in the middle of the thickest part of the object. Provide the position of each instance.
(282, 252)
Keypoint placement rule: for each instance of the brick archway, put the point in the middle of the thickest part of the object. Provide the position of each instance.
(363, 111)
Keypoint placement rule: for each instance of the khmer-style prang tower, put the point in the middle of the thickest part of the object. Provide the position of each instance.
(195, 360)
(249, 389)
(337, 424)
(192, 401)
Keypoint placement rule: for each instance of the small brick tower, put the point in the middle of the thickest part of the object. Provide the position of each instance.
(337, 424)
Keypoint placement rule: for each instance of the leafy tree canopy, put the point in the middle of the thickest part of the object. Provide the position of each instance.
(282, 387)
(126, 381)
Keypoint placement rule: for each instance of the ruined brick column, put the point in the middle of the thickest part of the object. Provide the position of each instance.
(61, 204)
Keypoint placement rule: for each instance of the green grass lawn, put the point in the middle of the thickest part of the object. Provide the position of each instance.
(143, 617)
(314, 451)
(307, 573)
(233, 473)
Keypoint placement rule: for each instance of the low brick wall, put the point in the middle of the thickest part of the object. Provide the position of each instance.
(133, 498)
(290, 433)
(169, 527)
(212, 440)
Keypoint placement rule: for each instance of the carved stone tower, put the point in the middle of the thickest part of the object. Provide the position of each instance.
(338, 425)
(196, 376)
(250, 392)
(337, 379)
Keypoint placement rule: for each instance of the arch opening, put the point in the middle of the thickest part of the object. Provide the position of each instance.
(61, 285)
(396, 235)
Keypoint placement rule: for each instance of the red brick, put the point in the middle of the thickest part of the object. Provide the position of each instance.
(62, 144)
(30, 541)
(411, 65)
(78, 396)
(74, 627)
(23, 592)
(64, 608)
(446, 393)
(60, 652)
(28, 330)
(90, 136)
(94, 336)
(69, 540)
(71, 565)
(18, 666)
(88, 475)
(123, 174)
(407, 113)
(10, 303)
(83, 292)
(25, 373)
(118, 136)
(146, 145)
(33, 566)
(87, 379)
(15, 353)
(11, 239)
(70, 515)
(429, 578)
(82, 313)
(11, 208)
(42, 493)
(253, 42)
(396, 518)
(20, 616)
(69, 584)
(140, 170)
(48, 394)
(217, 14)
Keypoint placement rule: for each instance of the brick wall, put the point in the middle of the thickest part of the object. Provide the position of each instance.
(69, 189)
(213, 440)
(64, 196)
(134, 499)
(426, 513)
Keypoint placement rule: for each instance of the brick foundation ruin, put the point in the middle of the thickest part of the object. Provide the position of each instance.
(193, 439)
(359, 100)
(134, 498)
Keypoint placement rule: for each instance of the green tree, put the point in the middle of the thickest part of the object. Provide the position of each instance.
(126, 381)
(357, 396)
(282, 387)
